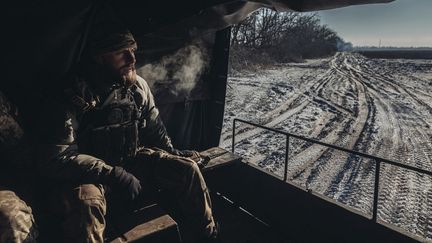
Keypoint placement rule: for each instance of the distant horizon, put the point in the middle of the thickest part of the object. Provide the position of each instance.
(402, 23)
(394, 47)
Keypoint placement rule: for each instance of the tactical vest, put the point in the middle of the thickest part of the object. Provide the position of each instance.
(109, 130)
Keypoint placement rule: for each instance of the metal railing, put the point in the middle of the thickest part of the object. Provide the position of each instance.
(377, 160)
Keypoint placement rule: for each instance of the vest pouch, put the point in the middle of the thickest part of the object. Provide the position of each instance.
(131, 140)
(112, 143)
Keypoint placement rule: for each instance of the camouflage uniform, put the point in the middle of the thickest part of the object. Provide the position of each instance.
(117, 126)
(16, 219)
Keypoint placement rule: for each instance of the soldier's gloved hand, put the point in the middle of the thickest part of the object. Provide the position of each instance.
(185, 153)
(201, 161)
(124, 184)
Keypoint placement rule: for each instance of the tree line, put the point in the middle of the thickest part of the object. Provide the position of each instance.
(268, 37)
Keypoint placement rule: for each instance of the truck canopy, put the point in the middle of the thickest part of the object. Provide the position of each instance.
(43, 40)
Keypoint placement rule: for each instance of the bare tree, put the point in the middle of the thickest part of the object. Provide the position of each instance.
(282, 37)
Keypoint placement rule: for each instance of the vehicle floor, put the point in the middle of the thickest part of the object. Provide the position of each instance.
(239, 226)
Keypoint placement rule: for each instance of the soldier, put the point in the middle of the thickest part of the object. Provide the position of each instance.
(103, 136)
(17, 223)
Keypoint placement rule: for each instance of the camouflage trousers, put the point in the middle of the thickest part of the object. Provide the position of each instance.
(179, 178)
(16, 219)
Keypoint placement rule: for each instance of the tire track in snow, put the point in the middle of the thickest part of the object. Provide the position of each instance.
(293, 105)
(400, 201)
(320, 176)
(397, 127)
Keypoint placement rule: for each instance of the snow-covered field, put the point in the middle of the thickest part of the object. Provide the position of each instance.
(381, 107)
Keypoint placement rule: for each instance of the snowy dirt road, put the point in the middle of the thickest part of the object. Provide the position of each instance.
(381, 107)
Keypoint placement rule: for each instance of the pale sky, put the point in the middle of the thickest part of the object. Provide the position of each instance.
(402, 23)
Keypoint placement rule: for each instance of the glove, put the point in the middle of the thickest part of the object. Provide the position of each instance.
(124, 183)
(185, 153)
(201, 161)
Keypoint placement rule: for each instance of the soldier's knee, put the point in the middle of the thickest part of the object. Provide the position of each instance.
(16, 219)
(194, 176)
(195, 168)
(91, 196)
(85, 214)
(189, 166)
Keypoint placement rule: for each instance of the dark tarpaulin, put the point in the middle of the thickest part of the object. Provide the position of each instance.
(47, 35)
(43, 40)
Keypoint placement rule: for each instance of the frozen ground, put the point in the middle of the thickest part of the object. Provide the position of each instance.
(381, 107)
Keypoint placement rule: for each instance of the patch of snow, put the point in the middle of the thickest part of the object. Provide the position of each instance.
(381, 107)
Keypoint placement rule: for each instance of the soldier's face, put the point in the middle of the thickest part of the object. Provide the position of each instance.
(121, 63)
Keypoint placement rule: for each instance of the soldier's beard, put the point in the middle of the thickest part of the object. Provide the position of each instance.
(128, 76)
(125, 75)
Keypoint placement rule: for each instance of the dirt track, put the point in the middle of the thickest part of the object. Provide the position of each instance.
(377, 106)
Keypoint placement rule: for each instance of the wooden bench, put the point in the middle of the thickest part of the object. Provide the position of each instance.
(219, 157)
(150, 224)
